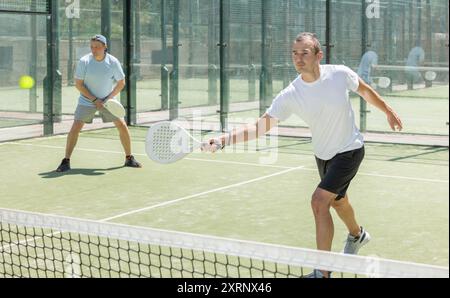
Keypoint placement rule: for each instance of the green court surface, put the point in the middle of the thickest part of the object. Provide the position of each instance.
(434, 92)
(400, 194)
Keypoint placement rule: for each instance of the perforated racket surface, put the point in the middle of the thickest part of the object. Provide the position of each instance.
(167, 142)
(430, 75)
(384, 82)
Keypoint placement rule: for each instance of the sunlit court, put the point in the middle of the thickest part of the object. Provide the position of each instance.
(224, 138)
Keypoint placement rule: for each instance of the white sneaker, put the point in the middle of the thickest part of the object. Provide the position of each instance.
(353, 244)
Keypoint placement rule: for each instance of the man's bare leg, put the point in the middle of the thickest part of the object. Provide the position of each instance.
(345, 211)
(125, 138)
(72, 138)
(320, 203)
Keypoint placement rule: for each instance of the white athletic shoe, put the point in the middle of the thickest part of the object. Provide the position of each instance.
(353, 244)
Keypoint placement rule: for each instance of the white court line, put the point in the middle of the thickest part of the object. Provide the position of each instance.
(287, 169)
(241, 163)
(391, 176)
(238, 163)
(33, 239)
(404, 178)
(199, 194)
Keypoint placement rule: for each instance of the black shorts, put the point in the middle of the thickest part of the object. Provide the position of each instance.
(337, 173)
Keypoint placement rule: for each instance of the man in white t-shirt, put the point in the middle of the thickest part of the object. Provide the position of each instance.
(319, 95)
(98, 77)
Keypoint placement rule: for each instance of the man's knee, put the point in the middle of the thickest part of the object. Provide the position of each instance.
(320, 201)
(77, 126)
(120, 124)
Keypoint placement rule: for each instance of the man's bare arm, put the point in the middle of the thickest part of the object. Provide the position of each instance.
(372, 97)
(119, 87)
(248, 132)
(79, 84)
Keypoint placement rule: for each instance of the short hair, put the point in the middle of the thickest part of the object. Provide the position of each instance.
(313, 37)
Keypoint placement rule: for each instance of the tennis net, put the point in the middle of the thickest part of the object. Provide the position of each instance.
(41, 245)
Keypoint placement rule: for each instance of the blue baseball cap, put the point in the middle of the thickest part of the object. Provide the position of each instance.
(100, 38)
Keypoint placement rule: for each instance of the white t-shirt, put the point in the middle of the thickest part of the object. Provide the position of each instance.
(325, 106)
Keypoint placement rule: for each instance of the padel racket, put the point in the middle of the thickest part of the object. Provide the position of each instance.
(115, 108)
(430, 76)
(384, 82)
(167, 142)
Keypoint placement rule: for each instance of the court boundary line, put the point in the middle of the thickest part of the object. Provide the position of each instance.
(237, 163)
(175, 201)
(198, 194)
(166, 203)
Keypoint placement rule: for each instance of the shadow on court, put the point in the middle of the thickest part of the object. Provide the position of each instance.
(83, 172)
(430, 150)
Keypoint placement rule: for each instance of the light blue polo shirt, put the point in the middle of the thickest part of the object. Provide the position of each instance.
(99, 77)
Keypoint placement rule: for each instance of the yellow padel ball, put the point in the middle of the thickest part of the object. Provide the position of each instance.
(26, 82)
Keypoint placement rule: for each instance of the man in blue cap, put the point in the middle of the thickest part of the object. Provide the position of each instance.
(99, 77)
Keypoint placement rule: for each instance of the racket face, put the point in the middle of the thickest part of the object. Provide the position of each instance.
(384, 82)
(115, 108)
(167, 142)
(430, 75)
